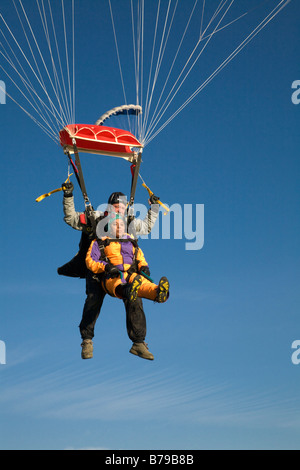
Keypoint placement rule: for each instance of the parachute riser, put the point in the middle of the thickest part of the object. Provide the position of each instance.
(78, 171)
(80, 179)
(135, 171)
(68, 153)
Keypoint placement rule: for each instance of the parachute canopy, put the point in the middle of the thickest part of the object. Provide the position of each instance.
(100, 140)
(130, 109)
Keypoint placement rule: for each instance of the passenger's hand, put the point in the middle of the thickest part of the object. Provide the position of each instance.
(145, 270)
(112, 271)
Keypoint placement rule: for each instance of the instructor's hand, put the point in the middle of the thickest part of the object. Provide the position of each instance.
(68, 189)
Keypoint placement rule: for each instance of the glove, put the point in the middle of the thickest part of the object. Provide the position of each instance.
(145, 270)
(154, 199)
(68, 189)
(112, 271)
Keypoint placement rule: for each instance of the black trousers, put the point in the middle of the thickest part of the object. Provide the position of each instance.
(135, 316)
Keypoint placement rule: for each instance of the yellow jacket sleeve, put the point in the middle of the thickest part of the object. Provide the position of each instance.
(141, 259)
(93, 259)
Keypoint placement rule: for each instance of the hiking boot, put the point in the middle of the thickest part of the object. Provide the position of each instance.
(141, 350)
(131, 290)
(163, 290)
(87, 349)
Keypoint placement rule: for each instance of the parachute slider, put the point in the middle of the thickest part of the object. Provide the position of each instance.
(100, 140)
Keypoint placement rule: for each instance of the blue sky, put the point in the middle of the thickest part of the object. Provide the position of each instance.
(222, 375)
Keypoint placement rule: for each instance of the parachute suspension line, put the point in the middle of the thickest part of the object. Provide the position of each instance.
(148, 99)
(154, 114)
(151, 134)
(48, 130)
(161, 53)
(28, 83)
(68, 97)
(28, 42)
(73, 52)
(176, 87)
(67, 57)
(60, 92)
(171, 68)
(29, 88)
(226, 25)
(202, 18)
(141, 54)
(41, 57)
(68, 102)
(168, 76)
(118, 55)
(138, 53)
(282, 4)
(52, 136)
(233, 21)
(51, 114)
(134, 54)
(45, 27)
(136, 50)
(56, 78)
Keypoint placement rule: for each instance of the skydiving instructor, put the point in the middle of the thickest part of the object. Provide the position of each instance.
(135, 316)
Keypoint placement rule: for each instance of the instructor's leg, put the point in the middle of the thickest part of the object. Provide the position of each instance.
(137, 329)
(94, 300)
(135, 320)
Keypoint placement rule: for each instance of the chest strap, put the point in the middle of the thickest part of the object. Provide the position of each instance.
(102, 244)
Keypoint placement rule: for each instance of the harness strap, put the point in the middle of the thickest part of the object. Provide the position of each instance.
(102, 244)
(135, 170)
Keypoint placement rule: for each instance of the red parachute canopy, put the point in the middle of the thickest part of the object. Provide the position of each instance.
(99, 140)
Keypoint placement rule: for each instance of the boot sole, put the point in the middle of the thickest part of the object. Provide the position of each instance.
(163, 290)
(133, 294)
(135, 353)
(85, 357)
